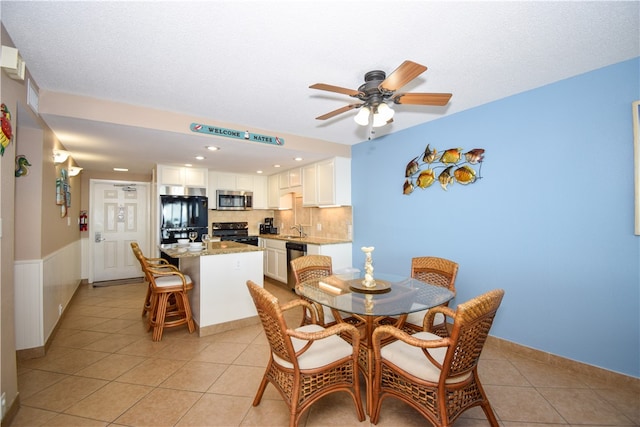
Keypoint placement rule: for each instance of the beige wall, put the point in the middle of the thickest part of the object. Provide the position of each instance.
(11, 93)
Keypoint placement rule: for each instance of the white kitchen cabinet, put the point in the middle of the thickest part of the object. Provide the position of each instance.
(274, 199)
(182, 176)
(289, 180)
(275, 264)
(260, 192)
(340, 253)
(327, 183)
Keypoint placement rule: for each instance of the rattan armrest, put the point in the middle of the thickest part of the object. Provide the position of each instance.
(387, 330)
(301, 302)
(427, 322)
(157, 261)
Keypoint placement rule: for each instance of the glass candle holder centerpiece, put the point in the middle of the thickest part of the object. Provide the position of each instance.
(368, 281)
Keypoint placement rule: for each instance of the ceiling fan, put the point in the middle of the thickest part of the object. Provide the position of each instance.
(379, 88)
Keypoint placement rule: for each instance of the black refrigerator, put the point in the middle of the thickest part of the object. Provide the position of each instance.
(180, 216)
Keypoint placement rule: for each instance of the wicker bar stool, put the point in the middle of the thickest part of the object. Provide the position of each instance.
(154, 262)
(310, 267)
(167, 283)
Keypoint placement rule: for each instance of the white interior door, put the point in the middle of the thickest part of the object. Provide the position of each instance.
(119, 216)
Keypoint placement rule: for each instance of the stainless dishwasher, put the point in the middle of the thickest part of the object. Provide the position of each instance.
(294, 250)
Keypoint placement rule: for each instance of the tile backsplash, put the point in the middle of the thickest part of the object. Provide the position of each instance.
(335, 223)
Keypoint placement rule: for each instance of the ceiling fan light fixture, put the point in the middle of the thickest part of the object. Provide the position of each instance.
(362, 118)
(385, 112)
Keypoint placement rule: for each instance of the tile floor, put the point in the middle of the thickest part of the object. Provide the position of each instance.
(103, 370)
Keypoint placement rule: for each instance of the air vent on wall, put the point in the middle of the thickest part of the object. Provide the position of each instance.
(12, 63)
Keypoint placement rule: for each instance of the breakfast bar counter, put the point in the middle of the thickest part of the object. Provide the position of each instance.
(219, 299)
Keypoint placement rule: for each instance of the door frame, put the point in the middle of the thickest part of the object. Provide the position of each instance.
(147, 231)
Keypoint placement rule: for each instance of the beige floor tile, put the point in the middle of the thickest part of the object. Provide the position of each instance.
(239, 336)
(151, 372)
(70, 362)
(221, 352)
(65, 393)
(500, 372)
(238, 381)
(161, 407)
(29, 417)
(182, 349)
(64, 420)
(114, 325)
(194, 376)
(336, 409)
(35, 380)
(81, 339)
(394, 413)
(143, 347)
(112, 343)
(583, 406)
(80, 322)
(625, 400)
(111, 367)
(109, 402)
(275, 411)
(544, 375)
(254, 355)
(522, 404)
(219, 410)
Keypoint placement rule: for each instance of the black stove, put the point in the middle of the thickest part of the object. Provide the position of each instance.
(233, 231)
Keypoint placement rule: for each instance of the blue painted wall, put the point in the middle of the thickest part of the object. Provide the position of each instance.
(551, 220)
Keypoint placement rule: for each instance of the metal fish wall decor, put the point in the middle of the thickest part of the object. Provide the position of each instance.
(453, 165)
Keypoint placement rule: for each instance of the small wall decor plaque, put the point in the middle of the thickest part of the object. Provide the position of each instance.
(6, 133)
(453, 165)
(22, 166)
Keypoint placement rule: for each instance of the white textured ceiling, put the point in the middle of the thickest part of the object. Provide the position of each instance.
(250, 63)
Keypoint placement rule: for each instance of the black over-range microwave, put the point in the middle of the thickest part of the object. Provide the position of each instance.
(227, 200)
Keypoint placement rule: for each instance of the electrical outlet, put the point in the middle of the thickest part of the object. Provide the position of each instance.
(237, 264)
(319, 227)
(59, 310)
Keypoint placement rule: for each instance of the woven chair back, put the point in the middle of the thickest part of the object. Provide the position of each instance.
(436, 271)
(311, 267)
(273, 322)
(471, 325)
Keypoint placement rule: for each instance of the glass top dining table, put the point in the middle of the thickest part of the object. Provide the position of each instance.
(393, 297)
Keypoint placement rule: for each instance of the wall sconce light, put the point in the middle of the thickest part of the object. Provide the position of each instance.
(73, 170)
(60, 156)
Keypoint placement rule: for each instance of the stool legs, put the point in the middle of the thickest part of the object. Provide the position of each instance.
(164, 313)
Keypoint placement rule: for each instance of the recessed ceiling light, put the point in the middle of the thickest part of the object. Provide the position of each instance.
(200, 157)
(258, 171)
(212, 148)
(121, 169)
(297, 159)
(188, 165)
(276, 166)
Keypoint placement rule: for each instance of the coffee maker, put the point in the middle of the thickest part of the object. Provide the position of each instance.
(267, 227)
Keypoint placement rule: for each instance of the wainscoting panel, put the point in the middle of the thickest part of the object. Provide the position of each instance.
(43, 291)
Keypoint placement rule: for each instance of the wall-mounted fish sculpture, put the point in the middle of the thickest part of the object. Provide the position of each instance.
(454, 166)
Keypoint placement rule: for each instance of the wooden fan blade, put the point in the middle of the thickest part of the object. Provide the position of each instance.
(338, 89)
(422, 98)
(402, 75)
(338, 111)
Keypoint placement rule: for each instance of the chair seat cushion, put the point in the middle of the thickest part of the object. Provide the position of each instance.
(170, 281)
(413, 361)
(417, 317)
(321, 353)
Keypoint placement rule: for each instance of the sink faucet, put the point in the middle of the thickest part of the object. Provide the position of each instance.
(299, 229)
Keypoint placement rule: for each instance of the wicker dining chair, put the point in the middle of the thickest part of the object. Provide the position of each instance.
(435, 271)
(435, 375)
(306, 363)
(167, 284)
(310, 267)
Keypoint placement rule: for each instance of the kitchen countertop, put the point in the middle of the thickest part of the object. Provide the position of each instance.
(214, 248)
(311, 240)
